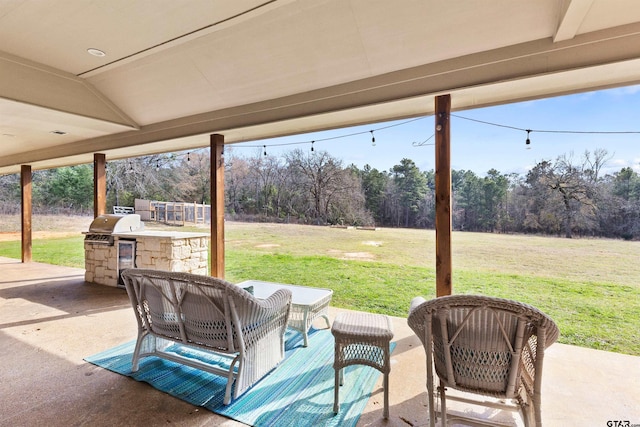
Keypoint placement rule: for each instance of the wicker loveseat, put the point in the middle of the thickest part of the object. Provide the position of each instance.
(211, 315)
(483, 345)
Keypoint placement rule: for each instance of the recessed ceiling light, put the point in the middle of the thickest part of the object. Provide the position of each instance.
(58, 132)
(96, 52)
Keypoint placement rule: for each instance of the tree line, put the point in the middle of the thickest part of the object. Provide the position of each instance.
(567, 196)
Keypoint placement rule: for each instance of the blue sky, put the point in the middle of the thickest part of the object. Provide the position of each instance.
(480, 147)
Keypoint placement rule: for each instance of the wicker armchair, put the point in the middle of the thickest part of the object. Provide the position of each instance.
(483, 345)
(210, 315)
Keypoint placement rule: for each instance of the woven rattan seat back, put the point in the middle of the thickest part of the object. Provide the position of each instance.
(484, 345)
(157, 312)
(213, 315)
(212, 307)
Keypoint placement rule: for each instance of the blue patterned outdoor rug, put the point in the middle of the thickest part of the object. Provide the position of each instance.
(298, 392)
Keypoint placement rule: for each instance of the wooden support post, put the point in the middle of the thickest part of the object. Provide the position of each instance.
(217, 205)
(443, 196)
(99, 184)
(25, 185)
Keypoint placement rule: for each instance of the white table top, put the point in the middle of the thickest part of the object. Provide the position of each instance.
(301, 295)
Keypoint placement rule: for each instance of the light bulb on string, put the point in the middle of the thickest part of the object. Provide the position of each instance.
(312, 145)
(188, 156)
(528, 141)
(373, 139)
(157, 165)
(265, 149)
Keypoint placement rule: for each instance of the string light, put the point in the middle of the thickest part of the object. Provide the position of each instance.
(425, 142)
(591, 132)
(172, 157)
(338, 136)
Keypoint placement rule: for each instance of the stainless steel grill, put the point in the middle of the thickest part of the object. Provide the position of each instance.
(103, 228)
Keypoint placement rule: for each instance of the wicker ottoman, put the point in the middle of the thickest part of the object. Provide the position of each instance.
(362, 339)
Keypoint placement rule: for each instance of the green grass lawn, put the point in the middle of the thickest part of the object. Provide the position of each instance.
(590, 287)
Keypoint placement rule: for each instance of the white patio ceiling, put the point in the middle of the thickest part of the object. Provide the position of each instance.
(176, 71)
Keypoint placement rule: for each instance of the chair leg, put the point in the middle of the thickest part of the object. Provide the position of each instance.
(140, 343)
(135, 360)
(385, 384)
(336, 390)
(443, 405)
(326, 319)
(528, 411)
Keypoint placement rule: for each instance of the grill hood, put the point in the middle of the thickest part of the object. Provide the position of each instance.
(110, 224)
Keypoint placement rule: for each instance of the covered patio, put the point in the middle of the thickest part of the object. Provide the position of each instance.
(86, 82)
(51, 319)
(89, 83)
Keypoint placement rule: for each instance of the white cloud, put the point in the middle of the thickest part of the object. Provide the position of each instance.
(619, 163)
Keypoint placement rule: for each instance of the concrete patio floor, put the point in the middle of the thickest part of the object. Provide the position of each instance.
(50, 319)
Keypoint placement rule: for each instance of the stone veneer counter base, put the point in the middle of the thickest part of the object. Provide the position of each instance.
(160, 250)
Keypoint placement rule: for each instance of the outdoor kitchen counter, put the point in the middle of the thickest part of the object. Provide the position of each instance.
(161, 234)
(162, 250)
(170, 250)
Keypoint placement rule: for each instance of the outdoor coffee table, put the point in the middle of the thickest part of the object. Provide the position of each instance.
(307, 304)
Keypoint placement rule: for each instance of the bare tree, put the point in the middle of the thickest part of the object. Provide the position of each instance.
(195, 182)
(574, 182)
(265, 172)
(592, 165)
(325, 181)
(236, 182)
(9, 194)
(151, 177)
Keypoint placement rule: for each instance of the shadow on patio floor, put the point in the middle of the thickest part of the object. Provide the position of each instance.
(50, 319)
